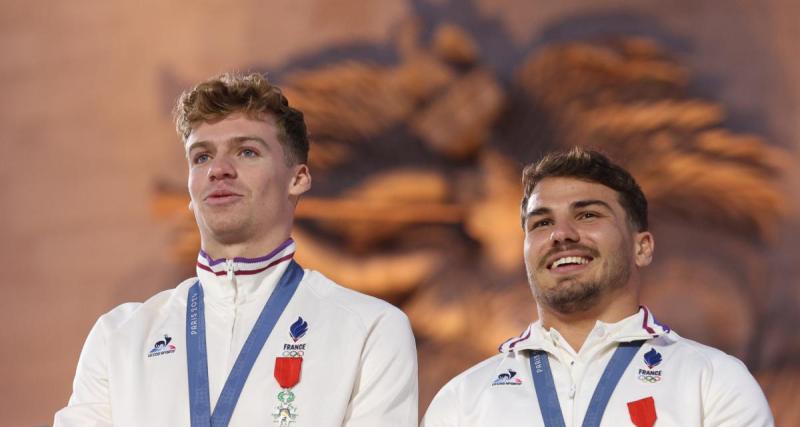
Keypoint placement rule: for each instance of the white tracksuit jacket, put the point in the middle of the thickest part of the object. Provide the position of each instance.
(359, 359)
(692, 385)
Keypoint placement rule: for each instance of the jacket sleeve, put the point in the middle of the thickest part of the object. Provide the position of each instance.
(89, 405)
(733, 398)
(443, 410)
(385, 392)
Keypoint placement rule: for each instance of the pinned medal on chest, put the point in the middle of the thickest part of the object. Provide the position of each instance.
(643, 412)
(287, 372)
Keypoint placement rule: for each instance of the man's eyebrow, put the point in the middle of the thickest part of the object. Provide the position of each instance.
(197, 144)
(584, 203)
(236, 140)
(246, 138)
(539, 211)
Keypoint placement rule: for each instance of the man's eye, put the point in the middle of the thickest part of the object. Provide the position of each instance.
(587, 215)
(540, 223)
(201, 158)
(248, 153)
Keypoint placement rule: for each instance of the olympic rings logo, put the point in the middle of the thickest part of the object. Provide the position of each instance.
(649, 378)
(293, 353)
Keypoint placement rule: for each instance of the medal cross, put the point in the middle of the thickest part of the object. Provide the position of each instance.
(284, 414)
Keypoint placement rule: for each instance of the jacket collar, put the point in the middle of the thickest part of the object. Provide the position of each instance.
(642, 325)
(240, 279)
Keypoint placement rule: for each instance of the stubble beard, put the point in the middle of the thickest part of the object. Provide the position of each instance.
(572, 294)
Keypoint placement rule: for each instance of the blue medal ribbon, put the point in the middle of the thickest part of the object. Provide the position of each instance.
(546, 389)
(197, 355)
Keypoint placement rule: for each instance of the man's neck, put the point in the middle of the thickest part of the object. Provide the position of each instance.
(249, 249)
(575, 327)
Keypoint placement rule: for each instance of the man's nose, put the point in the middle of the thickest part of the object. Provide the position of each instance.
(221, 168)
(564, 231)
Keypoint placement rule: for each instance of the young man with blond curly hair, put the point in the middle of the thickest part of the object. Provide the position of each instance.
(254, 339)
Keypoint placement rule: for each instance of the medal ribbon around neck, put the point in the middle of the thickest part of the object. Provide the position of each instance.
(197, 355)
(546, 390)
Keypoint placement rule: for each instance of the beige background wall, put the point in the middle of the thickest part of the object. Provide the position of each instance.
(85, 132)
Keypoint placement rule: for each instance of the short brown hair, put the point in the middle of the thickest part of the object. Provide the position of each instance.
(590, 166)
(252, 95)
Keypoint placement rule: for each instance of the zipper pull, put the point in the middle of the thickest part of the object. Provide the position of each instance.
(229, 266)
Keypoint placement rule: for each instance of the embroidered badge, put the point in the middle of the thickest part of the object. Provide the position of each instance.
(298, 330)
(507, 378)
(162, 347)
(652, 359)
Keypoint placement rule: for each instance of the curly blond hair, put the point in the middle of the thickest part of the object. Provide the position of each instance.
(252, 95)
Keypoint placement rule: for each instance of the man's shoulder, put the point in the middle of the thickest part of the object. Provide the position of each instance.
(482, 374)
(729, 389)
(709, 357)
(467, 389)
(131, 311)
(340, 298)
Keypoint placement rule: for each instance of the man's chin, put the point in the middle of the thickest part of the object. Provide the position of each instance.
(228, 233)
(571, 296)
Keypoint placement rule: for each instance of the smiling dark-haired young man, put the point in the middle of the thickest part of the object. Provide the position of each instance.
(254, 339)
(595, 357)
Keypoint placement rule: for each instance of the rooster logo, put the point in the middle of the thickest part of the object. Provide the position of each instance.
(163, 345)
(507, 378)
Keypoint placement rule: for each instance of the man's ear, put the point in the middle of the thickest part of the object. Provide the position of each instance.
(644, 245)
(301, 180)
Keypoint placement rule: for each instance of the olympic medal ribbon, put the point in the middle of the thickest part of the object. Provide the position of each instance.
(197, 356)
(643, 412)
(546, 390)
(608, 381)
(197, 359)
